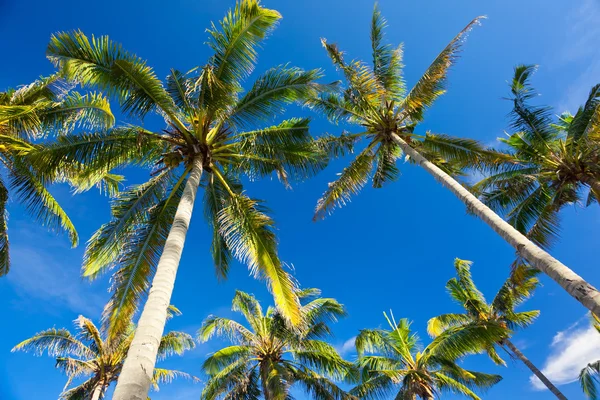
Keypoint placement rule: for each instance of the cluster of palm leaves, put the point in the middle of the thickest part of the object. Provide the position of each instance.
(215, 136)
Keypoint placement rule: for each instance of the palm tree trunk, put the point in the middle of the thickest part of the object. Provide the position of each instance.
(594, 185)
(585, 293)
(533, 369)
(99, 390)
(136, 376)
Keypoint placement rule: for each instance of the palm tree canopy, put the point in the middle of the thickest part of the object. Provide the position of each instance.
(97, 357)
(394, 364)
(519, 286)
(376, 99)
(207, 117)
(267, 356)
(30, 115)
(551, 162)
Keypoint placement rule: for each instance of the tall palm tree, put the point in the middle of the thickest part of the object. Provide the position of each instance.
(98, 356)
(515, 290)
(552, 163)
(394, 366)
(590, 375)
(212, 138)
(268, 356)
(28, 116)
(376, 100)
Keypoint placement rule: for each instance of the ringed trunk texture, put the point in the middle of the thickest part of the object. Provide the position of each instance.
(534, 369)
(136, 376)
(585, 293)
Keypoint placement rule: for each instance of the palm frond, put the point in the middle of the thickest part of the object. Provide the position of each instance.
(387, 62)
(247, 230)
(385, 168)
(433, 82)
(351, 180)
(175, 342)
(4, 243)
(588, 379)
(57, 342)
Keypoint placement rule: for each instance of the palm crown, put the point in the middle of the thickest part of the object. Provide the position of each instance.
(93, 354)
(515, 290)
(210, 124)
(550, 164)
(28, 115)
(376, 99)
(590, 375)
(394, 365)
(268, 356)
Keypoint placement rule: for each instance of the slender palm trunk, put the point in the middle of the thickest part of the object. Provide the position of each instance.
(99, 390)
(136, 375)
(533, 369)
(585, 293)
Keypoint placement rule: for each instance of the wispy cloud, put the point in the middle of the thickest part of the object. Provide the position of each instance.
(347, 347)
(580, 46)
(572, 349)
(38, 274)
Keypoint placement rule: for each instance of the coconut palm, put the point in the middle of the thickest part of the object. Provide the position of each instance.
(394, 365)
(515, 290)
(268, 356)
(98, 357)
(29, 115)
(590, 375)
(552, 163)
(212, 137)
(388, 115)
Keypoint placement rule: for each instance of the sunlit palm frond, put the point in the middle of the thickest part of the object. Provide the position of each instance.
(175, 342)
(88, 332)
(433, 82)
(103, 63)
(214, 325)
(236, 39)
(387, 61)
(57, 342)
(162, 375)
(587, 119)
(247, 230)
(128, 211)
(273, 90)
(385, 166)
(351, 180)
(226, 356)
(38, 201)
(437, 325)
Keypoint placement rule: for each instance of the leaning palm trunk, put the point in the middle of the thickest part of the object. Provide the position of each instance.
(136, 376)
(594, 186)
(585, 293)
(533, 369)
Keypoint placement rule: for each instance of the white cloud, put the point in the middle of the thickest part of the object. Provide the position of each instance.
(37, 274)
(572, 349)
(347, 347)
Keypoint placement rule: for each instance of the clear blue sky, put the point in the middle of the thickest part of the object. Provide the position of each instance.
(391, 248)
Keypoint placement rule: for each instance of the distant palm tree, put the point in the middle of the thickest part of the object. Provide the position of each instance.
(268, 357)
(551, 164)
(28, 114)
(213, 137)
(515, 290)
(394, 366)
(590, 375)
(377, 101)
(94, 354)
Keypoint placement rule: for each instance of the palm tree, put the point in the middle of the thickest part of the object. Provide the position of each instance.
(98, 356)
(394, 366)
(590, 375)
(268, 356)
(515, 290)
(376, 100)
(551, 163)
(28, 114)
(212, 138)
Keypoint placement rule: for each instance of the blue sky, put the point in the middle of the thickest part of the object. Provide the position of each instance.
(390, 248)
